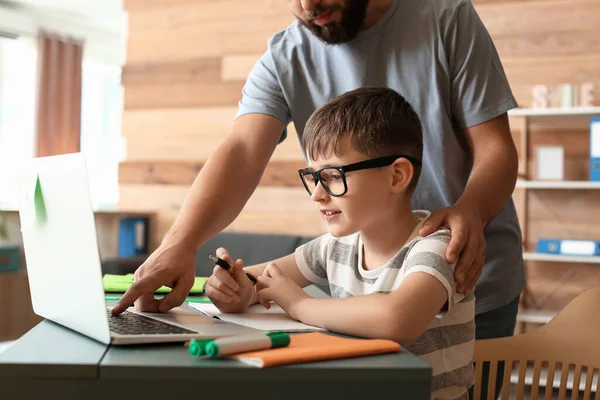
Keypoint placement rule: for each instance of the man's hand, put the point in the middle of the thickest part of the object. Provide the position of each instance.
(229, 291)
(276, 287)
(167, 266)
(467, 241)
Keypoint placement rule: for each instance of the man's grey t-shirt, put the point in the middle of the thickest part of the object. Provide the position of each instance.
(439, 56)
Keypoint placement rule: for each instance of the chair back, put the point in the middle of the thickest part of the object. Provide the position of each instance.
(569, 343)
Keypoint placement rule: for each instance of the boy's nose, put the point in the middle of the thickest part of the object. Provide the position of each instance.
(319, 194)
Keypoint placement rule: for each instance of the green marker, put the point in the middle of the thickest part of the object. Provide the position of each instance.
(197, 346)
(243, 343)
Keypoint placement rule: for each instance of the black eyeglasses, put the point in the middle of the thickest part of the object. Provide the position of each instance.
(333, 179)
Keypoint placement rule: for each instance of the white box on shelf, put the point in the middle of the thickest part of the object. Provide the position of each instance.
(550, 163)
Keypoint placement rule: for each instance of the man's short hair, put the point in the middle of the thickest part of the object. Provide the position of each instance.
(378, 122)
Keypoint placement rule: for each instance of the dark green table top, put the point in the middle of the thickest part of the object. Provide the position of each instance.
(51, 351)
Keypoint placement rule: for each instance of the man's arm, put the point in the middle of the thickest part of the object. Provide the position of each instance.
(489, 187)
(480, 97)
(216, 197)
(495, 168)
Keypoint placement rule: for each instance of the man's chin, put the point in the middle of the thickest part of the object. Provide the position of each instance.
(329, 33)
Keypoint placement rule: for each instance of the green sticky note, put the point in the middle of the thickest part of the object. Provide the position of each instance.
(192, 299)
(38, 200)
(120, 284)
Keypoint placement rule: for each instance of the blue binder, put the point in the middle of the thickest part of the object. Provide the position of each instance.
(133, 236)
(567, 246)
(10, 258)
(595, 149)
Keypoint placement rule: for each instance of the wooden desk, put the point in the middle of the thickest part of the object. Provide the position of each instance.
(52, 361)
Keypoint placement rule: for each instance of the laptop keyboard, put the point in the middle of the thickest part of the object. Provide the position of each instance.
(129, 323)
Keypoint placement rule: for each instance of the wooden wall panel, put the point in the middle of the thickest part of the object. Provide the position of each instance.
(183, 122)
(194, 148)
(204, 29)
(237, 67)
(542, 45)
(182, 14)
(198, 70)
(187, 62)
(551, 17)
(179, 95)
(16, 313)
(170, 197)
(277, 173)
(188, 134)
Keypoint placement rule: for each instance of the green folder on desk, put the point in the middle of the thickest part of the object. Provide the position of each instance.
(189, 299)
(120, 283)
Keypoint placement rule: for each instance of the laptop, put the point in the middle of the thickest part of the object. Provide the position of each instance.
(64, 270)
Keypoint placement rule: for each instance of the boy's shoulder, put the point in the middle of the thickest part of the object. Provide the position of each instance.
(437, 240)
(335, 245)
(441, 234)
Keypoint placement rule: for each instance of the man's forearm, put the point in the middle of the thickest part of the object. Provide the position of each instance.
(494, 174)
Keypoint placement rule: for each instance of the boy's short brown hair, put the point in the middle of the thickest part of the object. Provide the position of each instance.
(377, 120)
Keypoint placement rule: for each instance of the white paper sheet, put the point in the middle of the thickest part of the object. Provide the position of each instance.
(258, 317)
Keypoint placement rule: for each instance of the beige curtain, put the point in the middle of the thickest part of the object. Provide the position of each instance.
(58, 116)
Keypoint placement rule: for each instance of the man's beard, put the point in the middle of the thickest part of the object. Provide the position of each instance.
(353, 14)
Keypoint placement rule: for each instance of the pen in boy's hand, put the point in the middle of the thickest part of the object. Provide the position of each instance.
(225, 265)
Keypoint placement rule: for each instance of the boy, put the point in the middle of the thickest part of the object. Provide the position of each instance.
(365, 150)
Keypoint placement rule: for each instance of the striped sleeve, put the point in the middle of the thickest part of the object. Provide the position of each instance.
(311, 259)
(428, 255)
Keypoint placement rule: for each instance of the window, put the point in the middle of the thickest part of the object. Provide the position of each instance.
(17, 112)
(102, 103)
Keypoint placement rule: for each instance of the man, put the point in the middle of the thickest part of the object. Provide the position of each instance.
(439, 56)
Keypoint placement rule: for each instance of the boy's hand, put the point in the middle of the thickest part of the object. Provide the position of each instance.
(276, 287)
(467, 240)
(230, 291)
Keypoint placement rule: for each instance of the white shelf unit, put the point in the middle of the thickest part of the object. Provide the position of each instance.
(532, 256)
(555, 112)
(574, 185)
(543, 316)
(535, 316)
(539, 114)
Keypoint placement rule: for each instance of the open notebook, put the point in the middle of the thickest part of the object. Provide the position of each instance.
(258, 317)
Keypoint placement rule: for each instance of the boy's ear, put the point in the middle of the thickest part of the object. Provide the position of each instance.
(403, 172)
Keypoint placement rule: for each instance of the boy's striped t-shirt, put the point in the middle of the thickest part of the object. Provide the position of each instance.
(447, 343)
